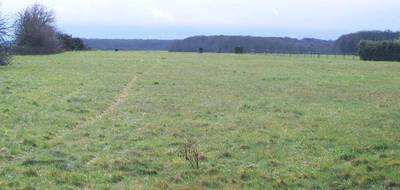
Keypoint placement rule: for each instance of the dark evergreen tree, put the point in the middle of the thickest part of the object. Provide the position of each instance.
(380, 50)
(71, 44)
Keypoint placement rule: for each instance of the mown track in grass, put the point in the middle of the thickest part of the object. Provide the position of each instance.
(118, 100)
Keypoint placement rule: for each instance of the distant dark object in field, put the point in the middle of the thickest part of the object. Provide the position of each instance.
(239, 50)
(201, 50)
(116, 50)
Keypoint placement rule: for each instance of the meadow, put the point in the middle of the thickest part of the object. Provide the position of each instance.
(118, 120)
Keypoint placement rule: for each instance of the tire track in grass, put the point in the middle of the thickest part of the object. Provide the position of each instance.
(114, 105)
(59, 139)
(118, 100)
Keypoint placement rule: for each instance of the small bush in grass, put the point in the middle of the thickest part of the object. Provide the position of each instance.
(5, 56)
(190, 153)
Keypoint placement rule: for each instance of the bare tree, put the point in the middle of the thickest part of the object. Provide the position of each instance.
(35, 31)
(3, 29)
(4, 48)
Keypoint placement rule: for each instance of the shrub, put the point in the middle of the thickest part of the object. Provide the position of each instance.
(5, 55)
(71, 44)
(190, 153)
(239, 50)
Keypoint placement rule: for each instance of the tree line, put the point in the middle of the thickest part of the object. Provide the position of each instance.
(371, 45)
(35, 32)
(380, 50)
(228, 44)
(350, 43)
(129, 44)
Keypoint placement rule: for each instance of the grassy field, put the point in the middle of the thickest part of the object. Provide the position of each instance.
(107, 120)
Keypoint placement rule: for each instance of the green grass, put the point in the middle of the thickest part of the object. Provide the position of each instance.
(107, 120)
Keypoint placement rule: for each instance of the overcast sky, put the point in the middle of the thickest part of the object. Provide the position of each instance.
(173, 19)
